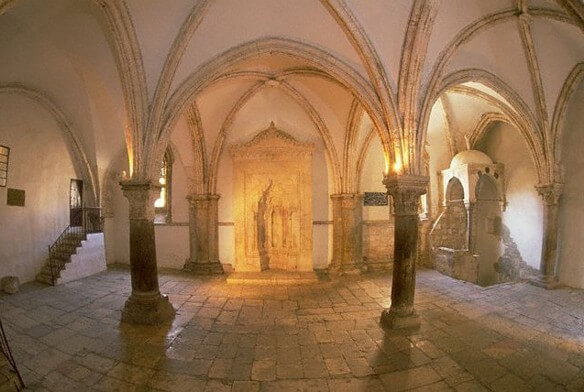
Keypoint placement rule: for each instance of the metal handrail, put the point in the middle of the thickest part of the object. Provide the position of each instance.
(8, 355)
(92, 222)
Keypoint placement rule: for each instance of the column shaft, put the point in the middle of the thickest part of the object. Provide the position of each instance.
(145, 305)
(203, 235)
(548, 264)
(405, 191)
(347, 233)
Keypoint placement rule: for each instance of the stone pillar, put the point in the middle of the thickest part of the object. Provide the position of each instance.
(551, 196)
(405, 191)
(347, 233)
(145, 305)
(203, 235)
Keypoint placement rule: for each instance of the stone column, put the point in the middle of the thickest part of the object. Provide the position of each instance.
(146, 305)
(551, 196)
(347, 233)
(203, 235)
(405, 191)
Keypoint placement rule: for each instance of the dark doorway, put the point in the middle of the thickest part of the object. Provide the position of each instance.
(76, 203)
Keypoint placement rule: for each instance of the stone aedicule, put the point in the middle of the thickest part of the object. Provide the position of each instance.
(405, 191)
(272, 202)
(146, 305)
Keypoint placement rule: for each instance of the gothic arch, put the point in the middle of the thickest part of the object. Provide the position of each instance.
(88, 172)
(218, 66)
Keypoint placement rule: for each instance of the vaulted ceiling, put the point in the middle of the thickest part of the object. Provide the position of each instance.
(127, 73)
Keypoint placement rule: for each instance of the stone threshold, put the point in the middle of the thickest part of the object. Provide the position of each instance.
(272, 277)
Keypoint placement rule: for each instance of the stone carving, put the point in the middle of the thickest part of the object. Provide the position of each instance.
(375, 199)
(272, 202)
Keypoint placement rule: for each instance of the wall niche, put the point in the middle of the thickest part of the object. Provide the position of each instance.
(466, 237)
(272, 203)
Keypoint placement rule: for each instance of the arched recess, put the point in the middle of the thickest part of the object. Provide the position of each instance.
(87, 170)
(572, 81)
(331, 153)
(218, 66)
(516, 110)
(522, 215)
(571, 203)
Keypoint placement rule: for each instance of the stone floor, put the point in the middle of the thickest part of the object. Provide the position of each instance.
(321, 337)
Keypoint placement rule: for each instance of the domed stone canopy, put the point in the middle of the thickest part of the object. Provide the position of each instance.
(470, 156)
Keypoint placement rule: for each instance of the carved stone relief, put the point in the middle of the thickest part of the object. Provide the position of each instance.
(273, 203)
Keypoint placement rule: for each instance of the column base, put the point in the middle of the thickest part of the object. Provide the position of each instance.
(545, 282)
(347, 269)
(147, 309)
(394, 320)
(212, 268)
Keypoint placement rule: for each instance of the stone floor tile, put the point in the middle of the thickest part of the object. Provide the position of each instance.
(337, 366)
(263, 370)
(245, 386)
(355, 385)
(410, 379)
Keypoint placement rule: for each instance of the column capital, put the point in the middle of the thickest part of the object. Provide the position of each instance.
(550, 192)
(406, 191)
(196, 197)
(141, 195)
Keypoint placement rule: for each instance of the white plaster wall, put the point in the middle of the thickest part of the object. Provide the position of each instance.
(172, 245)
(89, 259)
(523, 215)
(40, 164)
(571, 225)
(439, 154)
(372, 180)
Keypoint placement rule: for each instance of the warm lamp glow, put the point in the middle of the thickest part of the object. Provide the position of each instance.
(397, 166)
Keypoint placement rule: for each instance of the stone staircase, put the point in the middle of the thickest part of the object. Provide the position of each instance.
(60, 256)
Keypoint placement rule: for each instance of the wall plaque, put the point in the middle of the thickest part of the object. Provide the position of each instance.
(15, 197)
(375, 199)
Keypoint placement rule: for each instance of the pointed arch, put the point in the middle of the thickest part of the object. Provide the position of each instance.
(88, 171)
(213, 70)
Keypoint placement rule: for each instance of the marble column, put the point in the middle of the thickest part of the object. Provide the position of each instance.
(347, 233)
(145, 305)
(548, 266)
(203, 235)
(405, 191)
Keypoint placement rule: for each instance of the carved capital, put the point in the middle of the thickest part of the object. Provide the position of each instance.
(197, 199)
(348, 200)
(141, 196)
(405, 191)
(550, 193)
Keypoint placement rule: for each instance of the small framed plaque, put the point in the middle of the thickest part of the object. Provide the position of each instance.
(15, 197)
(372, 199)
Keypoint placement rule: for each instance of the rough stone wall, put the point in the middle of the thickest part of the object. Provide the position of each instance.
(451, 227)
(511, 267)
(378, 244)
(459, 264)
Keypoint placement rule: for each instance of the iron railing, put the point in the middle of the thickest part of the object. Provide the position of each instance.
(65, 245)
(5, 348)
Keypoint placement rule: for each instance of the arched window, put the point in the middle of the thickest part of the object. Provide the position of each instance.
(162, 205)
